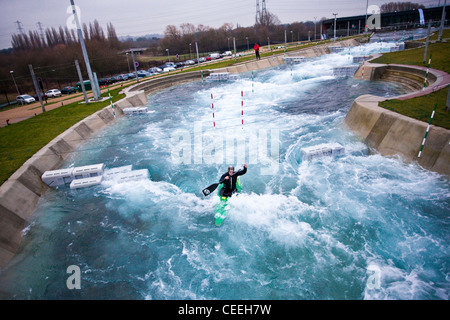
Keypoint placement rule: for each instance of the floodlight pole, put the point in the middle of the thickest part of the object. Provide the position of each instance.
(442, 21)
(334, 14)
(85, 55)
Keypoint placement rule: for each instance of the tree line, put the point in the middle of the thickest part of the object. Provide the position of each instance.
(400, 6)
(268, 29)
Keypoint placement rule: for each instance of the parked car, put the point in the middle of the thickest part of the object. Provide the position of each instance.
(169, 66)
(43, 96)
(189, 62)
(25, 99)
(53, 93)
(215, 55)
(202, 59)
(143, 74)
(167, 69)
(68, 90)
(154, 70)
(227, 53)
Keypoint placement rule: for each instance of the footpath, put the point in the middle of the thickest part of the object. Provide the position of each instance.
(30, 110)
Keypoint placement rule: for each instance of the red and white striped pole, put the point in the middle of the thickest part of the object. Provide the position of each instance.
(242, 108)
(212, 105)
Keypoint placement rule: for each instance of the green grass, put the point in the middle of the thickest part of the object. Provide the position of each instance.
(435, 35)
(20, 141)
(420, 108)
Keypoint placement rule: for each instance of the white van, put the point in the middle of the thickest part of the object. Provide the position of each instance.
(215, 55)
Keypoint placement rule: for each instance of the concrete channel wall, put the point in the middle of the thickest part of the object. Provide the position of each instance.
(19, 195)
(391, 133)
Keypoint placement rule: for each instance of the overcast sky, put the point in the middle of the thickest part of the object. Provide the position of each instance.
(140, 17)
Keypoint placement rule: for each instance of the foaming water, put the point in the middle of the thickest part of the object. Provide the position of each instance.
(322, 229)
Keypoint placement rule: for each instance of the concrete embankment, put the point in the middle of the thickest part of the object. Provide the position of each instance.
(275, 60)
(391, 133)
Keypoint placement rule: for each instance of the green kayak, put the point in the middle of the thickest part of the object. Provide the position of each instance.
(222, 207)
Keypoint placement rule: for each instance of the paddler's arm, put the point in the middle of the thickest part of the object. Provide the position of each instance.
(223, 178)
(242, 171)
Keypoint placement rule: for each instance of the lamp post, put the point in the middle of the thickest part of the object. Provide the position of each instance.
(12, 75)
(168, 56)
(128, 61)
(334, 14)
(315, 23)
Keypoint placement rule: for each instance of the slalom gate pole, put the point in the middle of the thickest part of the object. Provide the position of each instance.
(291, 67)
(112, 106)
(242, 108)
(201, 69)
(253, 90)
(212, 105)
(426, 76)
(362, 74)
(428, 129)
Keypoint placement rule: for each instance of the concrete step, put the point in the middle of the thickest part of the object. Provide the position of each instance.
(412, 85)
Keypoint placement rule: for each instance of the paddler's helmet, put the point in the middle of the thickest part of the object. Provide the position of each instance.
(230, 168)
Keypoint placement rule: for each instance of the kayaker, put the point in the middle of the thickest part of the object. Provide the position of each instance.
(229, 180)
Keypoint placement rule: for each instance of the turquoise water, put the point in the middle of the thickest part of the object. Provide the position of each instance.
(359, 226)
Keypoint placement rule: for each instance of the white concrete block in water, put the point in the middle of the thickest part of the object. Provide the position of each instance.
(109, 174)
(322, 150)
(85, 182)
(135, 110)
(134, 175)
(57, 177)
(336, 49)
(293, 60)
(88, 171)
(222, 76)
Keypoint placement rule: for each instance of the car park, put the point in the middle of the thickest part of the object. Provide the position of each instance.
(25, 99)
(53, 93)
(68, 90)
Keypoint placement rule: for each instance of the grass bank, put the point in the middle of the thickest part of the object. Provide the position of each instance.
(20, 141)
(420, 108)
(440, 52)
